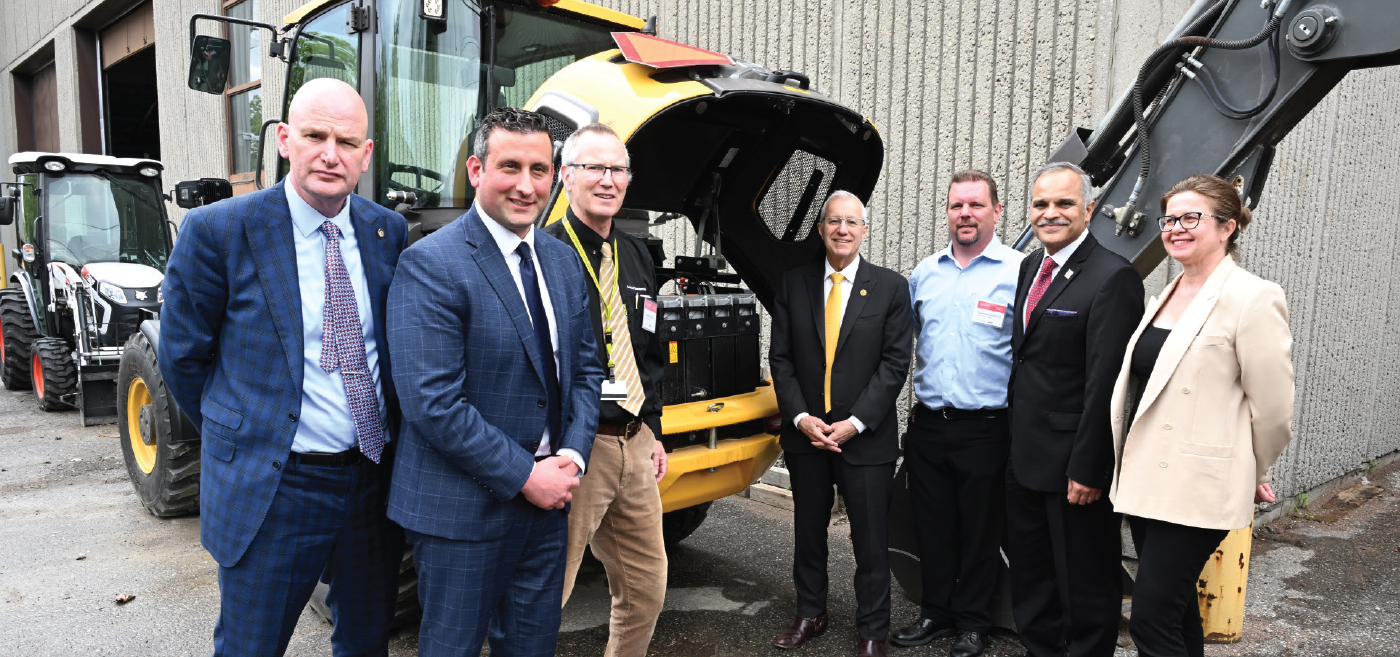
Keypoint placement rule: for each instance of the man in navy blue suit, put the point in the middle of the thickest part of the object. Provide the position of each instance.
(273, 343)
(496, 362)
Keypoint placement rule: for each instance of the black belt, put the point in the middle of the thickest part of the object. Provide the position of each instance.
(950, 413)
(350, 456)
(627, 430)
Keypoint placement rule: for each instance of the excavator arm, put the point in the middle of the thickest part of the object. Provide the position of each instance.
(1218, 96)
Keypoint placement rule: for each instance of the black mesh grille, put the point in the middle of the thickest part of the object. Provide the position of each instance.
(558, 132)
(794, 199)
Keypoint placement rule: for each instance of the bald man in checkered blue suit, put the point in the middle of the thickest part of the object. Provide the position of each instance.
(288, 490)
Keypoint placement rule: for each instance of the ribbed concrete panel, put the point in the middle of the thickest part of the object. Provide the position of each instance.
(1325, 232)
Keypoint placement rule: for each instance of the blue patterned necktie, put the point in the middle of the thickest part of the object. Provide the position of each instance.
(534, 303)
(343, 348)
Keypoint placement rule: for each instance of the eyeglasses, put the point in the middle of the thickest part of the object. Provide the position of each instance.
(850, 222)
(597, 171)
(1188, 220)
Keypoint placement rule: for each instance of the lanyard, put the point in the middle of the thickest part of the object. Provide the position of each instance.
(602, 296)
(588, 266)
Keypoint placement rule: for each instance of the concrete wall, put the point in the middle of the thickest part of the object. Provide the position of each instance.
(992, 84)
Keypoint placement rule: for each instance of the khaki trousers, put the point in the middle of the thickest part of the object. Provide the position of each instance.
(617, 510)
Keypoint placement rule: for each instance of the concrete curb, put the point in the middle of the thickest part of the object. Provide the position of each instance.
(1317, 493)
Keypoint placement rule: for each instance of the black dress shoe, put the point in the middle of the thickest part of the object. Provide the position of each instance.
(922, 632)
(969, 644)
(801, 630)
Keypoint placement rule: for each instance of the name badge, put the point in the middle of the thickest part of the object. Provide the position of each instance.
(614, 391)
(649, 316)
(989, 314)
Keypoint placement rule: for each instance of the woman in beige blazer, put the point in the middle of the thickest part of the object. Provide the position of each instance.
(1202, 408)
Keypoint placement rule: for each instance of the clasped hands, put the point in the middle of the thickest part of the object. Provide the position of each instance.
(552, 482)
(825, 436)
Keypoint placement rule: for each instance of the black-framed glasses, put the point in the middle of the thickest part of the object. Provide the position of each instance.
(597, 171)
(850, 222)
(1188, 220)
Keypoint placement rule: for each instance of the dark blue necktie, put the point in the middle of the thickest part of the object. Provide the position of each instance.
(534, 303)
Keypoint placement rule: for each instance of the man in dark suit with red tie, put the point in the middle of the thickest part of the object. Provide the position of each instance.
(842, 341)
(1077, 304)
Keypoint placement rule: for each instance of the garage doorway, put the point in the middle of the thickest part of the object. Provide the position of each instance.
(130, 107)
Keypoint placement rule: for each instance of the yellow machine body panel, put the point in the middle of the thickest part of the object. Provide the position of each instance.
(699, 474)
(571, 6)
(625, 96)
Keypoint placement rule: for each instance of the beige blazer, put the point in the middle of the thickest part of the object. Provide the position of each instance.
(1217, 410)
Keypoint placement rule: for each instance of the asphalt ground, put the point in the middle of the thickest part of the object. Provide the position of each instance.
(73, 538)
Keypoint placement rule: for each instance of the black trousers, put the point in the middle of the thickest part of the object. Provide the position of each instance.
(1066, 572)
(1166, 616)
(866, 489)
(957, 476)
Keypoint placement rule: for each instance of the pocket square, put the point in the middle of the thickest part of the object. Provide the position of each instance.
(1061, 313)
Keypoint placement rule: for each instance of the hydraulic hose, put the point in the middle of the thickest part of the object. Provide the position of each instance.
(1107, 129)
(1203, 77)
(1166, 50)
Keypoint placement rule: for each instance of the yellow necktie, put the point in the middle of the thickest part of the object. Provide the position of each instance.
(624, 361)
(833, 329)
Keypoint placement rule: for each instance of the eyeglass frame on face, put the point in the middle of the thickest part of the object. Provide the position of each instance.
(620, 174)
(1180, 219)
(850, 222)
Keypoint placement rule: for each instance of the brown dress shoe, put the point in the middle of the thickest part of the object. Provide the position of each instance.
(801, 630)
(870, 648)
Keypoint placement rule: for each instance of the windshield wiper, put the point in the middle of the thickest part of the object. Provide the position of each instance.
(135, 192)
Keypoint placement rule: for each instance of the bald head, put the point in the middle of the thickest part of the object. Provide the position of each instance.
(326, 142)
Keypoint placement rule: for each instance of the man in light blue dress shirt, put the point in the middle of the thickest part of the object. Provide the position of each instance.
(958, 437)
(273, 342)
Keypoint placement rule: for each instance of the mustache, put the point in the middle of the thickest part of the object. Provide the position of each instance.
(1052, 222)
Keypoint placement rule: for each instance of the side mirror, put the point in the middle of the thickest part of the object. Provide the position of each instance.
(7, 210)
(190, 194)
(209, 57)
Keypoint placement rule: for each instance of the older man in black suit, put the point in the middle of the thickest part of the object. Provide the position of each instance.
(1077, 303)
(842, 341)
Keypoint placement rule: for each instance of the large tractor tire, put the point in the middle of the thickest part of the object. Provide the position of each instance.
(164, 473)
(17, 335)
(53, 373)
(681, 523)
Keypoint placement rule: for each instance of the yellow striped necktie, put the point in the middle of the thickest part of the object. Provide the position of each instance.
(833, 329)
(624, 363)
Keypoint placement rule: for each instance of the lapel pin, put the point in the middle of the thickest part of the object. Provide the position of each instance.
(381, 232)
(1068, 272)
(862, 292)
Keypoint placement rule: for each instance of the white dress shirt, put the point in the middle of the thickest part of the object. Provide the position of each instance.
(847, 284)
(1062, 256)
(324, 422)
(508, 242)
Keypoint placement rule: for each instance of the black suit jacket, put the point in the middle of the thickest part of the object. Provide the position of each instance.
(1065, 364)
(872, 358)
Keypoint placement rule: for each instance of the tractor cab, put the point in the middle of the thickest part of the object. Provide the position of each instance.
(93, 243)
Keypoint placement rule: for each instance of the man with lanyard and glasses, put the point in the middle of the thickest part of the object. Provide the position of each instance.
(617, 506)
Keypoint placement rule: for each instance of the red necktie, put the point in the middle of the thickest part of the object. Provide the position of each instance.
(1042, 281)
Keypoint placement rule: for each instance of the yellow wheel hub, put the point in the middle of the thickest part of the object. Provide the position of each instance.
(137, 397)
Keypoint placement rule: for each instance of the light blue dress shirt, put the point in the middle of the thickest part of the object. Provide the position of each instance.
(325, 423)
(962, 360)
(508, 242)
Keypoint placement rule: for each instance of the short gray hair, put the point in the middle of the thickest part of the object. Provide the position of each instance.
(1086, 184)
(841, 193)
(568, 155)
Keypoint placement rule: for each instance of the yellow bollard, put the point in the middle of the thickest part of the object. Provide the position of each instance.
(1222, 586)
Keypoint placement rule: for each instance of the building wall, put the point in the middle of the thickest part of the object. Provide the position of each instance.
(991, 84)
